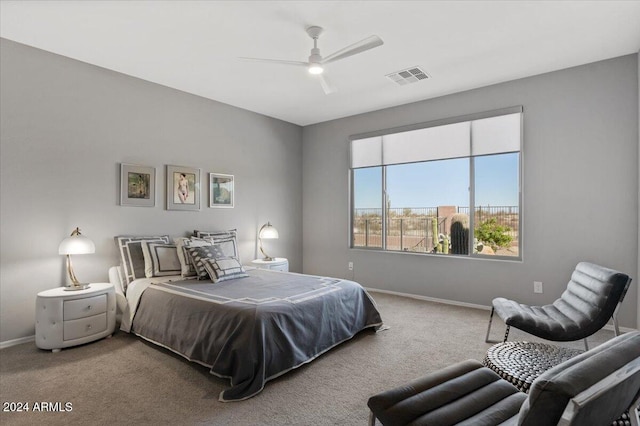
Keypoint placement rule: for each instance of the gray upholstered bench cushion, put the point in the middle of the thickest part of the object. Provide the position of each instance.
(552, 391)
(463, 393)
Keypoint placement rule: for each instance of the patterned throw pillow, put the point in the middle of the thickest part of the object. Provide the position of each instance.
(160, 259)
(182, 247)
(130, 249)
(198, 256)
(223, 269)
(226, 239)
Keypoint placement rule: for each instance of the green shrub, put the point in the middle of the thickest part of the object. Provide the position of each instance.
(493, 234)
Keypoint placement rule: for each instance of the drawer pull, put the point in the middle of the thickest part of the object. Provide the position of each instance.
(88, 326)
(89, 307)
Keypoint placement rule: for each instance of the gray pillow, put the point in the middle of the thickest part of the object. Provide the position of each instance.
(198, 255)
(223, 269)
(131, 256)
(226, 239)
(183, 244)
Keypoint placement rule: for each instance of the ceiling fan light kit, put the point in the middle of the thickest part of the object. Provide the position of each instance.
(315, 69)
(315, 63)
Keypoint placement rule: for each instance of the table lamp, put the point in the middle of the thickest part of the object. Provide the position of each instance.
(267, 232)
(76, 243)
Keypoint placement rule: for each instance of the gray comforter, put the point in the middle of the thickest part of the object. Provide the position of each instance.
(253, 329)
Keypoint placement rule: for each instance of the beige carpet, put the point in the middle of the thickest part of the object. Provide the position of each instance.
(124, 380)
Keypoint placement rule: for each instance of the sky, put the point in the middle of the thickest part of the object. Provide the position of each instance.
(441, 183)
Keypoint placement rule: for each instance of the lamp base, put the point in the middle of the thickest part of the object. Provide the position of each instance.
(77, 287)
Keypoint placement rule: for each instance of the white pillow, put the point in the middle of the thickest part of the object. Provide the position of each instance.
(160, 259)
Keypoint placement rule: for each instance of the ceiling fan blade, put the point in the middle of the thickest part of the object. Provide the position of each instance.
(276, 61)
(326, 85)
(359, 47)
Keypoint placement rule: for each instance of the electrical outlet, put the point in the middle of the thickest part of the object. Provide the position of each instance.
(350, 266)
(537, 286)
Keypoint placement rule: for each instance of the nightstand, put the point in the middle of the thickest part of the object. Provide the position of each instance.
(277, 264)
(69, 318)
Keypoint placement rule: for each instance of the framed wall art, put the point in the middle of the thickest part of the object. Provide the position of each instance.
(183, 188)
(137, 185)
(221, 190)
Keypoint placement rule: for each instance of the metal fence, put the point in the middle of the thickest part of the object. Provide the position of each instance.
(411, 228)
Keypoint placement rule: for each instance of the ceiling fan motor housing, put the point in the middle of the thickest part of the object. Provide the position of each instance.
(315, 56)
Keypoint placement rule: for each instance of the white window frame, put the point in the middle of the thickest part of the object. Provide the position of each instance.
(372, 146)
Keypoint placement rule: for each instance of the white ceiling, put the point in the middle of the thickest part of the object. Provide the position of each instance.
(193, 45)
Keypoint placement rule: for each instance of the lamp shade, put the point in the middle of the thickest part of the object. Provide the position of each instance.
(76, 244)
(268, 232)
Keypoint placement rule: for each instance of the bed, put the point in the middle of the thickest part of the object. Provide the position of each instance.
(249, 330)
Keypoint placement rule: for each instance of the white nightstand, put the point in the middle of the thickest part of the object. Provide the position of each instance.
(277, 264)
(69, 318)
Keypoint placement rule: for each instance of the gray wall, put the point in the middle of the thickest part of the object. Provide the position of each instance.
(580, 183)
(66, 126)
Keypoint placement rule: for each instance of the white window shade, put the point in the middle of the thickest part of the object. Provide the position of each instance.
(366, 152)
(496, 135)
(432, 143)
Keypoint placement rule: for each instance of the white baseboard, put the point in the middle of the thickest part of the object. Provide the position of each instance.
(433, 299)
(19, 341)
(469, 305)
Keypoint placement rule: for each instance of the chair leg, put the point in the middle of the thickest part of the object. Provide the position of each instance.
(372, 419)
(616, 329)
(586, 344)
(486, 339)
(506, 333)
(634, 412)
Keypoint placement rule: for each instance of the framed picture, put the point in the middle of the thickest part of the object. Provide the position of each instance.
(220, 190)
(137, 185)
(183, 188)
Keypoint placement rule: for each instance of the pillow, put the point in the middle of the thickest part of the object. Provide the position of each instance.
(200, 254)
(224, 268)
(182, 247)
(226, 239)
(131, 257)
(160, 259)
(211, 234)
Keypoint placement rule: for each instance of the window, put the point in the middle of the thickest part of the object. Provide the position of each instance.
(450, 187)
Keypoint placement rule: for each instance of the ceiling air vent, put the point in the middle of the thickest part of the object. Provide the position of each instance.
(410, 75)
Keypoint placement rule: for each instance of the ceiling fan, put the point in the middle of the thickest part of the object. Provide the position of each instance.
(316, 62)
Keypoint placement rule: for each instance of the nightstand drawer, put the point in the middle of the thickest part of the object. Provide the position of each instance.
(81, 308)
(275, 264)
(83, 327)
(284, 267)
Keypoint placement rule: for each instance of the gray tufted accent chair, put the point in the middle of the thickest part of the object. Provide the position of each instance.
(592, 297)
